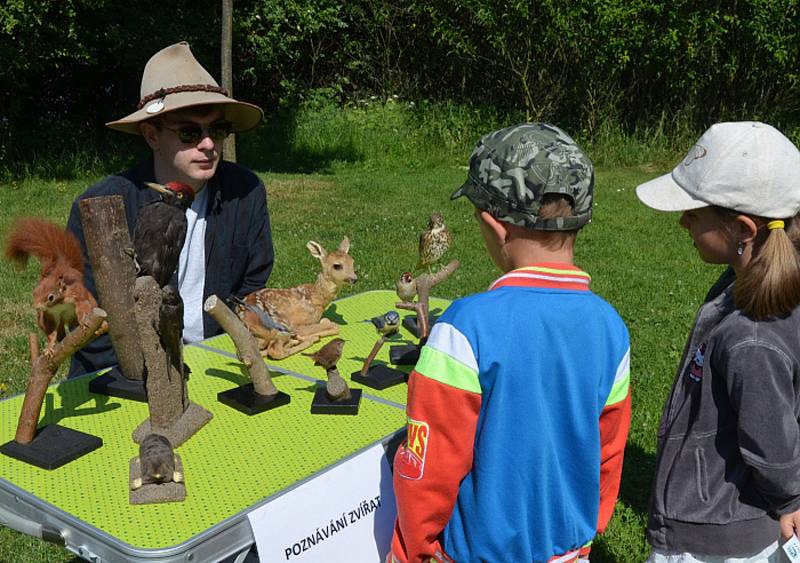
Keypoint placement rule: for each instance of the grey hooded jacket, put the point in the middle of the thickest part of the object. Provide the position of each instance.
(728, 458)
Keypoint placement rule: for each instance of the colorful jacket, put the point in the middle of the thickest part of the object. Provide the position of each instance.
(518, 412)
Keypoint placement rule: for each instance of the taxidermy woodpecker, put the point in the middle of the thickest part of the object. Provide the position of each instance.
(160, 231)
(387, 324)
(434, 241)
(170, 326)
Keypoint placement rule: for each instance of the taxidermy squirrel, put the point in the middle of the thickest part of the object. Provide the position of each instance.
(61, 300)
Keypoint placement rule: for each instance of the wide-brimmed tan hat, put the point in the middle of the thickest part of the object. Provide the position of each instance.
(173, 80)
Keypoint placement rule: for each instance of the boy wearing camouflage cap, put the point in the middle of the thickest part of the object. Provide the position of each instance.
(519, 407)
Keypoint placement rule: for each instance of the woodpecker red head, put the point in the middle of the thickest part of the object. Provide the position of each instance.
(160, 231)
(174, 193)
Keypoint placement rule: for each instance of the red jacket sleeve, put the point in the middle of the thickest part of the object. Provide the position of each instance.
(429, 466)
(615, 420)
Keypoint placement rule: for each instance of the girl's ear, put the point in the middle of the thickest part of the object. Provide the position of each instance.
(745, 228)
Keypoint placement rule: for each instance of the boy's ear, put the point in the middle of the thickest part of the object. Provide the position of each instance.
(746, 228)
(497, 227)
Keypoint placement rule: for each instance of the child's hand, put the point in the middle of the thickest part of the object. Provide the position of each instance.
(789, 523)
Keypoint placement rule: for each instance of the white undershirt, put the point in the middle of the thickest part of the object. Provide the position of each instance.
(192, 268)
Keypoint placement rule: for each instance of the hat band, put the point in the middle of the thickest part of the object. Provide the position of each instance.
(163, 92)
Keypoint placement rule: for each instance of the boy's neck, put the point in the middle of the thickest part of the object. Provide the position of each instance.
(523, 253)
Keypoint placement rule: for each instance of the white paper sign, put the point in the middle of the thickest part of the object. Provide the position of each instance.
(344, 514)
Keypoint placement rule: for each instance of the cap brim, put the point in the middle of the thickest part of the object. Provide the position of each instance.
(460, 191)
(242, 115)
(665, 194)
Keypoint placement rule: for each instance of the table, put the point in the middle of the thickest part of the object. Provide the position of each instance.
(233, 465)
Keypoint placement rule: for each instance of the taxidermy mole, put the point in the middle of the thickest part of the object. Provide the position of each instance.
(60, 298)
(157, 462)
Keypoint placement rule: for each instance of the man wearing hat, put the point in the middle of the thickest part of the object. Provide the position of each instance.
(519, 406)
(184, 116)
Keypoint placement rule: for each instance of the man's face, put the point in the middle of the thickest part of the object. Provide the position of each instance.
(178, 156)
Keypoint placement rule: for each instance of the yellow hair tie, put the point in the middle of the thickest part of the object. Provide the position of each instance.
(777, 224)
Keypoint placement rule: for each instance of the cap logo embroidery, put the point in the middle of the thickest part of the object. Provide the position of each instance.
(697, 152)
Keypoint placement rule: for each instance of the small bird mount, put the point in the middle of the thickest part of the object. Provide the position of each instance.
(406, 290)
(156, 475)
(52, 446)
(335, 397)
(380, 376)
(260, 394)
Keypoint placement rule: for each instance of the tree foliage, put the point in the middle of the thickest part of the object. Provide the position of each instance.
(584, 62)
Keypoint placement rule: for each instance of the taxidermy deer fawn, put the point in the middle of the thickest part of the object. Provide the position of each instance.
(298, 309)
(60, 298)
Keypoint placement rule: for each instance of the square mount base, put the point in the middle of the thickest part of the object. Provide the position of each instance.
(246, 400)
(380, 376)
(411, 325)
(52, 447)
(404, 355)
(114, 384)
(323, 405)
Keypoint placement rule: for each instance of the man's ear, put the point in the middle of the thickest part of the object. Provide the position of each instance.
(150, 134)
(498, 227)
(745, 228)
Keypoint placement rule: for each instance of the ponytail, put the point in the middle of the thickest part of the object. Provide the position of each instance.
(770, 285)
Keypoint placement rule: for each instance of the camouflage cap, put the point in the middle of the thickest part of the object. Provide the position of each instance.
(512, 169)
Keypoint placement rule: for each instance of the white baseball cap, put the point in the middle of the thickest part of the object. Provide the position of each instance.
(746, 166)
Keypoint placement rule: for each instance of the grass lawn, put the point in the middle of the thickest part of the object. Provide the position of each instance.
(640, 260)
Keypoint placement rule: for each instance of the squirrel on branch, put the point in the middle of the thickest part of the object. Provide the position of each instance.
(60, 298)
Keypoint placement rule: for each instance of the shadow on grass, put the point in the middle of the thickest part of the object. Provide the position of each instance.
(637, 478)
(273, 147)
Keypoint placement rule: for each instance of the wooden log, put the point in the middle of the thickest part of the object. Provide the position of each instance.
(107, 238)
(165, 383)
(246, 346)
(44, 367)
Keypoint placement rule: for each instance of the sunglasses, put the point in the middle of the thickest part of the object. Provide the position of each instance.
(192, 133)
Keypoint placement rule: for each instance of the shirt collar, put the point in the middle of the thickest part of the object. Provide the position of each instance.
(545, 275)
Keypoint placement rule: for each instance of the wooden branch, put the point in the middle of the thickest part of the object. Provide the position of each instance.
(424, 284)
(246, 346)
(165, 383)
(371, 358)
(44, 367)
(107, 238)
(33, 344)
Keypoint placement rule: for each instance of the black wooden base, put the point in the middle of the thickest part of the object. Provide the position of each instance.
(246, 400)
(52, 447)
(323, 405)
(406, 355)
(379, 376)
(114, 384)
(410, 322)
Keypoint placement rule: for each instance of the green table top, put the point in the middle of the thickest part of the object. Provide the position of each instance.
(232, 463)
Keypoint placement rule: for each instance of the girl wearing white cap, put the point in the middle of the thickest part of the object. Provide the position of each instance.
(727, 484)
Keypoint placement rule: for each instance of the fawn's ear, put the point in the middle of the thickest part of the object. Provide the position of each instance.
(316, 250)
(344, 246)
